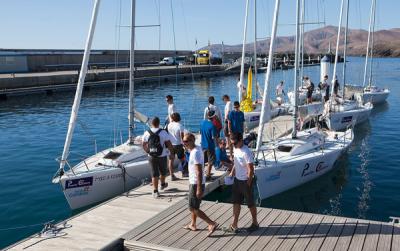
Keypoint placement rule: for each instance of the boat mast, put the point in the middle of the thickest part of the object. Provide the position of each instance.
(345, 47)
(243, 52)
(368, 41)
(132, 76)
(372, 47)
(296, 70)
(79, 87)
(255, 45)
(303, 6)
(337, 49)
(265, 108)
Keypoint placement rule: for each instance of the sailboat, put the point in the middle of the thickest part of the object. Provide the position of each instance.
(372, 93)
(252, 112)
(341, 113)
(298, 158)
(114, 170)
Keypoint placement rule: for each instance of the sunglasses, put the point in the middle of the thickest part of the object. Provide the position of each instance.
(186, 141)
(236, 107)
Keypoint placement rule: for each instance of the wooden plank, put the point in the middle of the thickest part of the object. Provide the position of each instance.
(251, 238)
(160, 230)
(179, 236)
(227, 221)
(162, 216)
(371, 240)
(279, 237)
(221, 242)
(346, 235)
(308, 233)
(271, 230)
(396, 237)
(333, 234)
(357, 241)
(296, 232)
(241, 236)
(319, 236)
(385, 237)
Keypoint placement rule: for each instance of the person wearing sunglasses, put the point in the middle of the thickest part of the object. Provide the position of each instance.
(209, 136)
(196, 184)
(242, 188)
(235, 121)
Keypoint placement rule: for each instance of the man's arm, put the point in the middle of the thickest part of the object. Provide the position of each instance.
(170, 148)
(145, 146)
(250, 171)
(199, 182)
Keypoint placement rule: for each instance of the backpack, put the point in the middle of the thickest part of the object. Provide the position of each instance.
(155, 147)
(215, 121)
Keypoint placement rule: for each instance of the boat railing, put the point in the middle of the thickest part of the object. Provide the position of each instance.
(78, 158)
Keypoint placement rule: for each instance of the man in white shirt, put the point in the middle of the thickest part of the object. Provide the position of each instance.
(155, 143)
(243, 183)
(228, 108)
(176, 131)
(196, 184)
(212, 107)
(171, 107)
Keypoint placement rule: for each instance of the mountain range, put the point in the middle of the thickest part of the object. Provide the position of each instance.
(386, 42)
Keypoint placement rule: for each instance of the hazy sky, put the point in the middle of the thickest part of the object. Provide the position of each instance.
(63, 24)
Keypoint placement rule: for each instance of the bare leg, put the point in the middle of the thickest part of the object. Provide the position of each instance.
(211, 224)
(236, 213)
(162, 178)
(253, 211)
(155, 183)
(171, 166)
(193, 217)
(209, 167)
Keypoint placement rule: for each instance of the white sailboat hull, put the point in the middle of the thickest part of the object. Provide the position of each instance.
(92, 187)
(274, 177)
(341, 120)
(376, 97)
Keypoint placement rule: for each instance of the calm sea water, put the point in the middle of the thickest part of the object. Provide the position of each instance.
(32, 134)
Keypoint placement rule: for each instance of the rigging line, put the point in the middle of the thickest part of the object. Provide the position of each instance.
(158, 9)
(185, 24)
(116, 59)
(173, 32)
(86, 130)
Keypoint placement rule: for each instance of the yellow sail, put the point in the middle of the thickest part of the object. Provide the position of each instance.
(249, 83)
(247, 103)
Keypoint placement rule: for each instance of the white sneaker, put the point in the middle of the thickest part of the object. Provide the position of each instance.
(155, 195)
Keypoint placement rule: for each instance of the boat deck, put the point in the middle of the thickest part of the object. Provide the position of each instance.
(99, 226)
(279, 230)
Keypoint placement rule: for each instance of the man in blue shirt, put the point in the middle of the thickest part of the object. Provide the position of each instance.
(208, 138)
(222, 160)
(236, 119)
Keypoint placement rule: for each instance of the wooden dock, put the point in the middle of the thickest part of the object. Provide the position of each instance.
(279, 230)
(104, 224)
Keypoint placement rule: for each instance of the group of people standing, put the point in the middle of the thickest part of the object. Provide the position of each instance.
(216, 133)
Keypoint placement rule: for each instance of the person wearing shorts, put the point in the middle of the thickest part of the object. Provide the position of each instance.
(196, 185)
(243, 172)
(158, 164)
(209, 136)
(176, 130)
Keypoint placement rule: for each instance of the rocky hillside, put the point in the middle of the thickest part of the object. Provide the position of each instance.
(387, 42)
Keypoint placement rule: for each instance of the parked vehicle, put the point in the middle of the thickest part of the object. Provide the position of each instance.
(167, 61)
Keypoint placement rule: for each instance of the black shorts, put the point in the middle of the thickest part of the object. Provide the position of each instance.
(209, 156)
(309, 94)
(240, 191)
(158, 165)
(179, 151)
(194, 202)
(226, 129)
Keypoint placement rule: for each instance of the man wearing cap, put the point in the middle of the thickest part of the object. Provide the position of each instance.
(209, 136)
